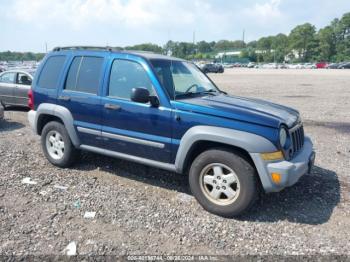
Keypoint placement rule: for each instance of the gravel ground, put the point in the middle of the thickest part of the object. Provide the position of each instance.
(142, 210)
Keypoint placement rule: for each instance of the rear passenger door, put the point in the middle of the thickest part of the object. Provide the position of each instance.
(132, 128)
(81, 95)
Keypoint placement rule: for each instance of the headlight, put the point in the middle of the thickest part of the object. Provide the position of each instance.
(283, 137)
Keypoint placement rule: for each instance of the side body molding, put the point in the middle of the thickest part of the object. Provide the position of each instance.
(64, 114)
(250, 142)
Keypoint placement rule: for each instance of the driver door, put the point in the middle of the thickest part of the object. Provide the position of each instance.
(129, 127)
(23, 84)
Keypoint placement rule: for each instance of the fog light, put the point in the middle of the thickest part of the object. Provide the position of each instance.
(276, 178)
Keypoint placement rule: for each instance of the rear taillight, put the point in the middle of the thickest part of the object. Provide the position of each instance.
(31, 99)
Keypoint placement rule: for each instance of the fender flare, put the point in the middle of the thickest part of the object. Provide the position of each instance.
(64, 114)
(251, 143)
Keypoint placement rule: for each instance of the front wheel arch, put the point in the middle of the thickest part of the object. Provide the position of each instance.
(203, 145)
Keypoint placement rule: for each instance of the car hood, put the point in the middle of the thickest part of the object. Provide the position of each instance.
(242, 109)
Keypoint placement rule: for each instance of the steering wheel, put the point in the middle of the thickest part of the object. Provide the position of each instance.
(192, 86)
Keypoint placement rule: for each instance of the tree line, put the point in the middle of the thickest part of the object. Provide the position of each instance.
(303, 44)
(19, 56)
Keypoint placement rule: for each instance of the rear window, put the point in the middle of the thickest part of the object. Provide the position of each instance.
(85, 74)
(51, 71)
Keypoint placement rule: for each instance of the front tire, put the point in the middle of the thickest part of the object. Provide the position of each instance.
(57, 146)
(223, 182)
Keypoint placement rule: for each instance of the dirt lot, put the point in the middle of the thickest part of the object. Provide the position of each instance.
(142, 210)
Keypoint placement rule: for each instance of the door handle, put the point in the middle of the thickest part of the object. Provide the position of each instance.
(64, 98)
(112, 107)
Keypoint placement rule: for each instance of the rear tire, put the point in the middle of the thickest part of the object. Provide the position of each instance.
(223, 182)
(57, 145)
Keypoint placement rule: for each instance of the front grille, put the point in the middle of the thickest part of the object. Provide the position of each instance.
(297, 135)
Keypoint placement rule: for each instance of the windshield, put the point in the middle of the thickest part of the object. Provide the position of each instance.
(182, 79)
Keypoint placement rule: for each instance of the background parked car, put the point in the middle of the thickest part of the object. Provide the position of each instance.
(321, 65)
(333, 66)
(213, 68)
(228, 65)
(251, 65)
(1, 112)
(345, 65)
(282, 66)
(14, 86)
(310, 66)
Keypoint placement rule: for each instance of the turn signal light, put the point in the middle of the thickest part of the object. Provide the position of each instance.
(276, 178)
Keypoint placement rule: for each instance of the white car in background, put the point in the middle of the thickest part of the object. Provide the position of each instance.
(310, 66)
(270, 66)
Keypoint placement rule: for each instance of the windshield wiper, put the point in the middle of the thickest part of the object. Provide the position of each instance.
(190, 93)
(210, 92)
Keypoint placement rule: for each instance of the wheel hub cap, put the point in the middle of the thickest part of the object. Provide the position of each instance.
(219, 184)
(55, 145)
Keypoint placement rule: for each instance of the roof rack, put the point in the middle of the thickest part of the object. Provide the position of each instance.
(102, 48)
(138, 51)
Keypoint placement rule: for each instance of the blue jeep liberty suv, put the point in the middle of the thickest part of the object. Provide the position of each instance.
(166, 113)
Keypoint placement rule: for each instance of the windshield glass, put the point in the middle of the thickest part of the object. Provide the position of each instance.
(182, 79)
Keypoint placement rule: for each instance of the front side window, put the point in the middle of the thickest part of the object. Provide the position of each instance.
(8, 78)
(181, 78)
(23, 79)
(85, 74)
(51, 71)
(126, 75)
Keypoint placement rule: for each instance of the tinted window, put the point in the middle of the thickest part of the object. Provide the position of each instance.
(23, 79)
(8, 78)
(50, 73)
(126, 75)
(72, 78)
(84, 74)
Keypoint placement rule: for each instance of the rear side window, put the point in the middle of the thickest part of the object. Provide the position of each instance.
(8, 78)
(50, 73)
(85, 74)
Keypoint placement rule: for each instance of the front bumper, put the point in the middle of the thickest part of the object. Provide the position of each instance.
(290, 171)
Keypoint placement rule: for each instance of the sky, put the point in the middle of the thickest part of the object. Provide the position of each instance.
(28, 25)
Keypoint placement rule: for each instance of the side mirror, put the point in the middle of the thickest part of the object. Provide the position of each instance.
(140, 95)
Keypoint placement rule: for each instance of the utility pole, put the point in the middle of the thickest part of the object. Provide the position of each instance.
(194, 42)
(243, 38)
(46, 47)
